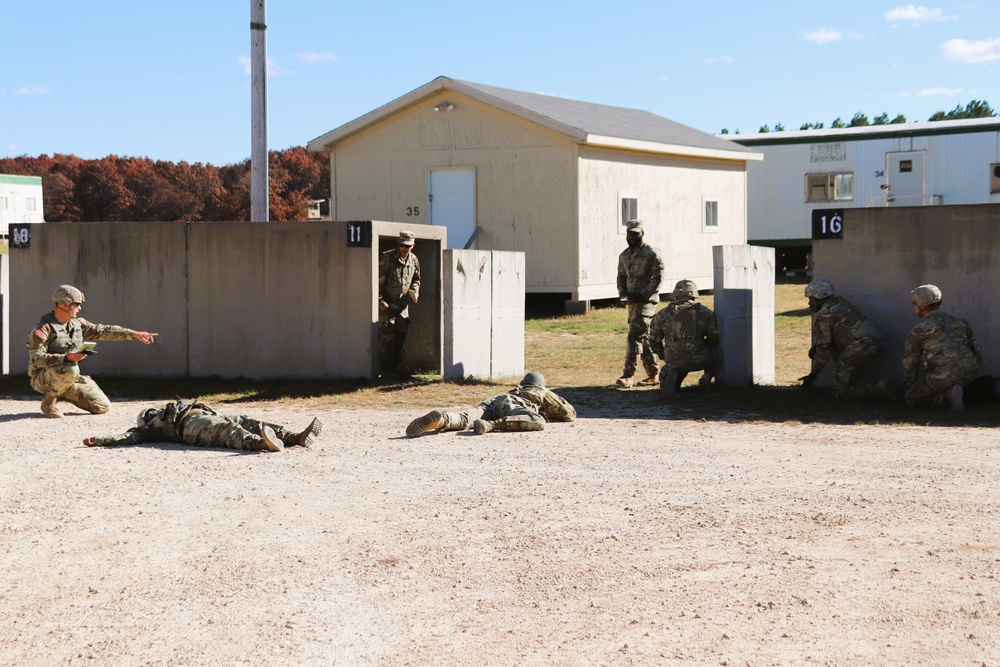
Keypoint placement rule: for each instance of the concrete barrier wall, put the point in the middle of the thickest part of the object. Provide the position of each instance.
(886, 252)
(483, 314)
(254, 300)
(744, 308)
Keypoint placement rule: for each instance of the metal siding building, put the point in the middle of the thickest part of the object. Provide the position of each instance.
(508, 170)
(912, 164)
(20, 201)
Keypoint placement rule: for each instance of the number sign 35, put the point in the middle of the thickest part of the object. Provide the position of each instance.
(827, 223)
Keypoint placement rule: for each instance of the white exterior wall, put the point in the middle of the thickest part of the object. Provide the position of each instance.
(525, 179)
(671, 194)
(15, 193)
(957, 172)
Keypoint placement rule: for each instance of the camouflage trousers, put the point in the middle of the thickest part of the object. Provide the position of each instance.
(67, 384)
(392, 330)
(208, 430)
(515, 417)
(707, 360)
(849, 367)
(928, 392)
(639, 316)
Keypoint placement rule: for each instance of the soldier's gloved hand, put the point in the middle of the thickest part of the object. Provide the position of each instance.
(807, 380)
(812, 351)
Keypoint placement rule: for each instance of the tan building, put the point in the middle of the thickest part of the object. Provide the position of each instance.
(554, 178)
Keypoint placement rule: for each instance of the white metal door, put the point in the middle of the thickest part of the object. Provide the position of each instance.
(451, 194)
(904, 177)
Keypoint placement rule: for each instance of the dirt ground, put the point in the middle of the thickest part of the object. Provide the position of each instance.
(608, 541)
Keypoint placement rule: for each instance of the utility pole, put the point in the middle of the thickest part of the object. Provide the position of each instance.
(258, 112)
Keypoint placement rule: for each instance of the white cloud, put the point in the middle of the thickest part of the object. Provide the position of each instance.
(964, 51)
(314, 58)
(273, 68)
(725, 60)
(855, 35)
(37, 90)
(927, 92)
(916, 14)
(823, 35)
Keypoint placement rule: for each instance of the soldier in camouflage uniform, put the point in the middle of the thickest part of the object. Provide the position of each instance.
(840, 332)
(685, 335)
(526, 407)
(640, 269)
(940, 355)
(199, 425)
(399, 286)
(54, 354)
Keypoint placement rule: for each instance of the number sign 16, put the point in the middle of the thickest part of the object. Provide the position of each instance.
(827, 224)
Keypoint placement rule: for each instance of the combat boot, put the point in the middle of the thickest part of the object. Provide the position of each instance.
(433, 420)
(669, 385)
(883, 388)
(650, 381)
(272, 442)
(50, 407)
(306, 437)
(481, 426)
(625, 382)
(954, 397)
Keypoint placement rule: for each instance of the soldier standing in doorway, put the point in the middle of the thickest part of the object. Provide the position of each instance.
(640, 269)
(399, 286)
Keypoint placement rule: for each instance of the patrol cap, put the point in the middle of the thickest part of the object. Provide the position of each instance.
(634, 226)
(820, 289)
(925, 295)
(67, 294)
(406, 238)
(685, 289)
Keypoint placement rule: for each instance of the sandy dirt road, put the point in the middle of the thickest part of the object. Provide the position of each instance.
(609, 541)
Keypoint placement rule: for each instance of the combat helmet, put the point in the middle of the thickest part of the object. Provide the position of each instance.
(820, 289)
(146, 416)
(684, 289)
(533, 378)
(925, 295)
(67, 294)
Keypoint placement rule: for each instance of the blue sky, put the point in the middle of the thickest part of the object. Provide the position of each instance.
(170, 79)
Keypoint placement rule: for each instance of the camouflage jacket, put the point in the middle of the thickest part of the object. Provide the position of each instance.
(396, 278)
(640, 271)
(940, 346)
(548, 404)
(839, 329)
(682, 330)
(50, 341)
(167, 426)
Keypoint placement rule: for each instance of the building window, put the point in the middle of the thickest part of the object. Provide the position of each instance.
(829, 187)
(29, 203)
(905, 166)
(994, 182)
(710, 223)
(629, 207)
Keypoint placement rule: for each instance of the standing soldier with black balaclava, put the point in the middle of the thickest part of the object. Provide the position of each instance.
(640, 269)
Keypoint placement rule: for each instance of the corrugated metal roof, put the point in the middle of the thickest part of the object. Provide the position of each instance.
(991, 124)
(584, 121)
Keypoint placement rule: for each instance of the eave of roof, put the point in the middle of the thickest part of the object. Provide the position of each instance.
(583, 122)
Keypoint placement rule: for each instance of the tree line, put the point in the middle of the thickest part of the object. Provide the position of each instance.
(974, 109)
(120, 189)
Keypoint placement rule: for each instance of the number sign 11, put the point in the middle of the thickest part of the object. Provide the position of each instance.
(827, 223)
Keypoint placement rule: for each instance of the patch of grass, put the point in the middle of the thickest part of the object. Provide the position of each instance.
(582, 355)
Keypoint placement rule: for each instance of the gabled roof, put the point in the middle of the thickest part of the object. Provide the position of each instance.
(585, 123)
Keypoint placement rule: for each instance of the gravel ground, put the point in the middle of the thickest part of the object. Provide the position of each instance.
(608, 541)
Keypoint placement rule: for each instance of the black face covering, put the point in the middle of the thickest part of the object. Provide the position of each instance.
(633, 240)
